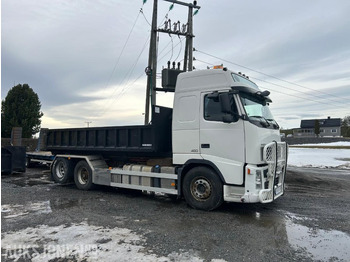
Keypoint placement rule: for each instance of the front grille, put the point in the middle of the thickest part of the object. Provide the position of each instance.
(266, 185)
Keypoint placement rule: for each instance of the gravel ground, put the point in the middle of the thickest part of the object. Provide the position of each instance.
(309, 223)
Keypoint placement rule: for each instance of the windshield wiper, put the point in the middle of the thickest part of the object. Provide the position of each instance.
(262, 118)
(274, 123)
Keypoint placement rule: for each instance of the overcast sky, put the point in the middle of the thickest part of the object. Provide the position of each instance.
(70, 53)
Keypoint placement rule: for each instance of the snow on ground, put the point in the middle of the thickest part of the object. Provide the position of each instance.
(319, 157)
(83, 242)
(341, 143)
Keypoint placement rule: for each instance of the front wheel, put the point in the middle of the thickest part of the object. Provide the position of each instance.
(83, 176)
(203, 189)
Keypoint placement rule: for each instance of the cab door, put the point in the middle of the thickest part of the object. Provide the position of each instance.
(221, 143)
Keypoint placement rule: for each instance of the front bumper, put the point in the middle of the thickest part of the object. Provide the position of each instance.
(263, 183)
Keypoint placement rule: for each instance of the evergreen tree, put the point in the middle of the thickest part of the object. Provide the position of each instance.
(317, 128)
(21, 108)
(345, 126)
(345, 121)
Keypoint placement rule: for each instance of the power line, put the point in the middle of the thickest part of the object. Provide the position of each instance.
(118, 59)
(128, 86)
(160, 59)
(277, 78)
(180, 48)
(122, 51)
(172, 47)
(317, 96)
(127, 76)
(141, 11)
(125, 44)
(203, 61)
(277, 85)
(137, 59)
(307, 99)
(164, 48)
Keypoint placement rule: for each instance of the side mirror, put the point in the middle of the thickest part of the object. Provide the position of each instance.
(225, 103)
(265, 93)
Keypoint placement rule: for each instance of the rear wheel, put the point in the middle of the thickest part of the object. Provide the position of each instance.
(83, 176)
(203, 189)
(62, 170)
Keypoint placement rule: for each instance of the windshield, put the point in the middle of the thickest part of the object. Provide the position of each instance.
(258, 111)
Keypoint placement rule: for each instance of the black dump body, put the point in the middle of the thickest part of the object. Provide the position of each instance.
(153, 140)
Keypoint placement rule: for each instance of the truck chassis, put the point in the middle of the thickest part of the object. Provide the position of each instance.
(200, 185)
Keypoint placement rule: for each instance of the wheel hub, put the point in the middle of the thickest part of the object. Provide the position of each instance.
(60, 170)
(83, 176)
(201, 189)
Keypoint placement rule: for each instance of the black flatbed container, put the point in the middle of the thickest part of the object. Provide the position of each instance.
(153, 140)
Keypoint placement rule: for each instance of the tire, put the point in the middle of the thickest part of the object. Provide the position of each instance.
(83, 176)
(62, 170)
(203, 189)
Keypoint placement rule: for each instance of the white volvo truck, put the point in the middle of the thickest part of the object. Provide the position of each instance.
(219, 143)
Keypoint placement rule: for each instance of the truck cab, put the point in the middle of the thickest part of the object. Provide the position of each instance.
(222, 124)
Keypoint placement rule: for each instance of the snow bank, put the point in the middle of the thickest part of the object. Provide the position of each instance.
(341, 143)
(319, 157)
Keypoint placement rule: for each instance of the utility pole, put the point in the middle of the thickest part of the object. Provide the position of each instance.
(188, 57)
(189, 38)
(151, 69)
(88, 123)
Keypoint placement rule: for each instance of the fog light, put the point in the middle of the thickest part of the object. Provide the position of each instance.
(258, 179)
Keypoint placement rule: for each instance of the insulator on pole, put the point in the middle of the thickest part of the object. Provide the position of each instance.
(178, 26)
(175, 26)
(184, 28)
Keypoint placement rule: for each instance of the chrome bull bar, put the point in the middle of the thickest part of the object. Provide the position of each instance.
(275, 154)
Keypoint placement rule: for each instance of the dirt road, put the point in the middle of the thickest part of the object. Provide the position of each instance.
(43, 221)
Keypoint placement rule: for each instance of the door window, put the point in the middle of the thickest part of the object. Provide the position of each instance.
(212, 109)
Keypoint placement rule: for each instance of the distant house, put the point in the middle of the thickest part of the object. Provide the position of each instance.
(329, 127)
